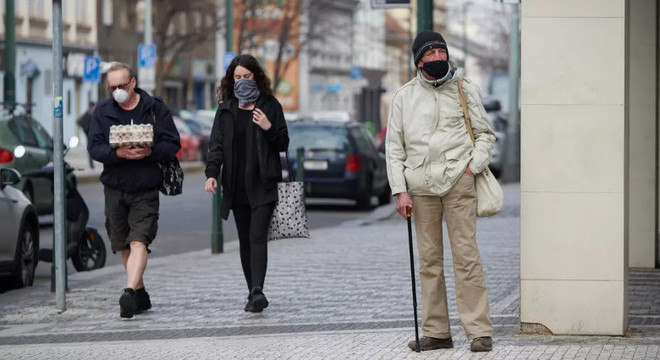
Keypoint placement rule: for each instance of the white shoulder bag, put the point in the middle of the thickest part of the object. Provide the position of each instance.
(490, 196)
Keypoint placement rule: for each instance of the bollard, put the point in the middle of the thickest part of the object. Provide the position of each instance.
(300, 168)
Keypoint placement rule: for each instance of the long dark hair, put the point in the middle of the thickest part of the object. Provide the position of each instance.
(225, 91)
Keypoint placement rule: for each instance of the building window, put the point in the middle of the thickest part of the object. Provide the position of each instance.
(68, 103)
(183, 23)
(123, 16)
(82, 7)
(48, 82)
(107, 12)
(36, 9)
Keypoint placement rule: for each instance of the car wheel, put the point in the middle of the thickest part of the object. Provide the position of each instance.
(25, 261)
(91, 253)
(363, 199)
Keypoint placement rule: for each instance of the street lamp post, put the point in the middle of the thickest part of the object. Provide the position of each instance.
(424, 15)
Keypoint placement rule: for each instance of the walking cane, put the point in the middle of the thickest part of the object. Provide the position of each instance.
(412, 276)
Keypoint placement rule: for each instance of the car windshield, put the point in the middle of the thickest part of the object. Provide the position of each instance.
(21, 129)
(43, 138)
(318, 137)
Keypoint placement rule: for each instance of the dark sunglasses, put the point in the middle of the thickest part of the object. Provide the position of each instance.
(122, 86)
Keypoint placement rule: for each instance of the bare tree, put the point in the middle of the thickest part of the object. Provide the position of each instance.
(291, 35)
(179, 28)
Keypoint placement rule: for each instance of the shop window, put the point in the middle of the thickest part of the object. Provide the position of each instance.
(107, 12)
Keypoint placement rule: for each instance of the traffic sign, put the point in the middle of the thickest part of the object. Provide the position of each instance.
(147, 55)
(91, 69)
(227, 58)
(147, 66)
(356, 72)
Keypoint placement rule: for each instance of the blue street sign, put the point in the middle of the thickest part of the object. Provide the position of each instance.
(92, 66)
(227, 58)
(29, 68)
(333, 87)
(147, 55)
(356, 72)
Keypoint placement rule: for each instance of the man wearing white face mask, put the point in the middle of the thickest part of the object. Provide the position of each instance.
(131, 176)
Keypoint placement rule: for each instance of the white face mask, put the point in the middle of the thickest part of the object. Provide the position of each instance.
(120, 95)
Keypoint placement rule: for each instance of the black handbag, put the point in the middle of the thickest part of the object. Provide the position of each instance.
(172, 173)
(172, 177)
(289, 219)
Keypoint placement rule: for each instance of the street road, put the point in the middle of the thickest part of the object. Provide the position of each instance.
(185, 220)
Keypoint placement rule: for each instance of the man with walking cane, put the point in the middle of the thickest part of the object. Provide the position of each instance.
(431, 163)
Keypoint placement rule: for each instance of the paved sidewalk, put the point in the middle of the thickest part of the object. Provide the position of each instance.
(343, 294)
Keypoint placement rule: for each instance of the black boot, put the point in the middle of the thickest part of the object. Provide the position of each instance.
(259, 301)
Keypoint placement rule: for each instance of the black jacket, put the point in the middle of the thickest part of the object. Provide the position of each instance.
(85, 121)
(263, 168)
(133, 175)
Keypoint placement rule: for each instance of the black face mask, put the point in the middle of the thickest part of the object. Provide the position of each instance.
(438, 68)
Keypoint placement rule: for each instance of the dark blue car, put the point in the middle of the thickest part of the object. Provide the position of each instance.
(341, 161)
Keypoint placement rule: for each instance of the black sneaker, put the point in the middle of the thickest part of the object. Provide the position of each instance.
(259, 301)
(142, 300)
(127, 303)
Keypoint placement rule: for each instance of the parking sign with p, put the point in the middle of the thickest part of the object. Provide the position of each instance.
(91, 69)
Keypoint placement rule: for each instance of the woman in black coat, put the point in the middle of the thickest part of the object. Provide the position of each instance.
(248, 134)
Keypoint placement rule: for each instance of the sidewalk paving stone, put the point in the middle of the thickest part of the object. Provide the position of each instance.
(342, 294)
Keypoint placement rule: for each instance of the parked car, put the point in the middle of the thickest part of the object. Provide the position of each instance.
(189, 142)
(498, 122)
(201, 125)
(26, 146)
(19, 238)
(341, 161)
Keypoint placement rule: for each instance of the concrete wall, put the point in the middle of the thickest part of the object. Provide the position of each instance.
(642, 125)
(573, 166)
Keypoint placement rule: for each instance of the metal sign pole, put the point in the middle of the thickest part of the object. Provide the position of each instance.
(148, 14)
(59, 240)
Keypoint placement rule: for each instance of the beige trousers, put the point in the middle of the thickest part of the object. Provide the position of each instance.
(460, 209)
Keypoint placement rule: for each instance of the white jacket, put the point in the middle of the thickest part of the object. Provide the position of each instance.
(428, 147)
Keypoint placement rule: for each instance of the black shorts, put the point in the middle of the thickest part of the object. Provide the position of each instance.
(130, 217)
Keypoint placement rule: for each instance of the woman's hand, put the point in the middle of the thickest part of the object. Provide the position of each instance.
(259, 118)
(210, 185)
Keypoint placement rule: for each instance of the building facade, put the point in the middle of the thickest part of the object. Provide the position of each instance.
(327, 56)
(188, 79)
(34, 58)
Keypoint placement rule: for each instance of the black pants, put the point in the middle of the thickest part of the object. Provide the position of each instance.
(252, 226)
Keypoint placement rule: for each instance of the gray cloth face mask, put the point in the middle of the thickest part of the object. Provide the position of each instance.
(246, 91)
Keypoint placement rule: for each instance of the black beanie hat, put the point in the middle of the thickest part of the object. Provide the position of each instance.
(425, 40)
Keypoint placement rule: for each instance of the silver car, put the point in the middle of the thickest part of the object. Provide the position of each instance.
(19, 237)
